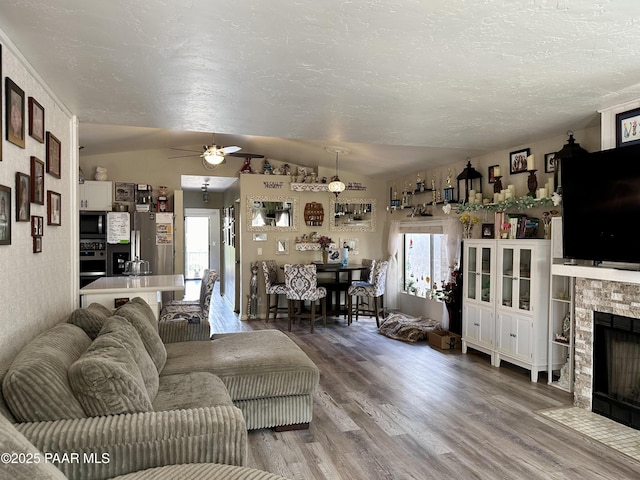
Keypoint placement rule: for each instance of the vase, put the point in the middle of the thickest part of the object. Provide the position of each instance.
(467, 230)
(325, 256)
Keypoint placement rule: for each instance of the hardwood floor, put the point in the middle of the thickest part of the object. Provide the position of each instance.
(391, 410)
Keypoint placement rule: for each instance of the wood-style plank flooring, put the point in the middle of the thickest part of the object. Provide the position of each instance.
(391, 410)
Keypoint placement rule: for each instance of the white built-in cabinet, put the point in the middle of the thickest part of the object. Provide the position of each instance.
(561, 316)
(94, 195)
(506, 299)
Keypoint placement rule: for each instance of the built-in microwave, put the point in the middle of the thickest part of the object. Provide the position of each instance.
(93, 224)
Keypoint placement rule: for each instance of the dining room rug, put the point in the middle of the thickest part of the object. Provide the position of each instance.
(408, 329)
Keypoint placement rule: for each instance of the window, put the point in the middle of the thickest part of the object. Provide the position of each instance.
(424, 262)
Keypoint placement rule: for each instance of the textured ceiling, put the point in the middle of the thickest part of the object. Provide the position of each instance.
(401, 84)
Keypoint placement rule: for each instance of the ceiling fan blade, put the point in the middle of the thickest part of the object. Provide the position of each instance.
(184, 156)
(184, 149)
(230, 149)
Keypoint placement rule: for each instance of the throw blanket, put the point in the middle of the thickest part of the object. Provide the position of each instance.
(408, 329)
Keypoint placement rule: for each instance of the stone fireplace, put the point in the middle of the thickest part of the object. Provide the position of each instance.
(607, 297)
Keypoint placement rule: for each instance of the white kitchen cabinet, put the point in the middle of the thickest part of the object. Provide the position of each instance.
(514, 296)
(94, 195)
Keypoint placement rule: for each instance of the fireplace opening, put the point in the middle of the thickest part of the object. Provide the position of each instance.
(616, 368)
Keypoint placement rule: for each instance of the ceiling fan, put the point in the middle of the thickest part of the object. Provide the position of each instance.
(211, 154)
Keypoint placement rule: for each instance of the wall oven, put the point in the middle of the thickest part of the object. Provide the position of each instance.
(93, 225)
(93, 261)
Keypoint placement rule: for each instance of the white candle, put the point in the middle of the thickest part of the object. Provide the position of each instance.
(531, 163)
(496, 172)
(512, 188)
(508, 194)
(542, 192)
(478, 198)
(551, 185)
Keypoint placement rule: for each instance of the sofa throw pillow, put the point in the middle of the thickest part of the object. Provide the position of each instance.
(36, 387)
(125, 333)
(90, 319)
(106, 379)
(143, 319)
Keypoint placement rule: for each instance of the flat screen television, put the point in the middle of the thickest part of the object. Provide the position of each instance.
(601, 207)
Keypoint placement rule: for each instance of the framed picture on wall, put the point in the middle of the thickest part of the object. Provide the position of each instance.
(23, 197)
(54, 208)
(628, 128)
(518, 161)
(5, 215)
(54, 148)
(37, 181)
(14, 110)
(550, 162)
(36, 120)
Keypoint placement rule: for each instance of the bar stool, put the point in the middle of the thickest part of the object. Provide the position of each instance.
(372, 291)
(301, 282)
(273, 288)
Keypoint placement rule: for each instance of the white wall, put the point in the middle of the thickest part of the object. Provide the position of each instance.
(37, 290)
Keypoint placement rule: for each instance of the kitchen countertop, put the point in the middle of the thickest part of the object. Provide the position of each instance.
(141, 283)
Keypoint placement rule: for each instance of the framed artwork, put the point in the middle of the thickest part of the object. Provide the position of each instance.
(54, 147)
(259, 237)
(628, 128)
(36, 226)
(1, 116)
(352, 243)
(54, 208)
(23, 197)
(282, 246)
(550, 162)
(492, 173)
(5, 215)
(125, 192)
(518, 161)
(334, 255)
(37, 244)
(36, 120)
(488, 230)
(37, 181)
(14, 109)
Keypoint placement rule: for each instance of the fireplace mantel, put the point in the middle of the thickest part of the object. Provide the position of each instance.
(597, 273)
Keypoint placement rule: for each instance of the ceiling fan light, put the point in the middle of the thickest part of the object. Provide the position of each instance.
(213, 158)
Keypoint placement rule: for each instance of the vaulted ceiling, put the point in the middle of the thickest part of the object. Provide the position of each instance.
(398, 83)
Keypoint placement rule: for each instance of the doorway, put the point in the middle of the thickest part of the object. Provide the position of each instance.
(201, 241)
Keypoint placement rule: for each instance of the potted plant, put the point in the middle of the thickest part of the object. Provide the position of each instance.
(325, 242)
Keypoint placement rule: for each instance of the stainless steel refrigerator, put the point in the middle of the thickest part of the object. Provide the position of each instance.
(152, 239)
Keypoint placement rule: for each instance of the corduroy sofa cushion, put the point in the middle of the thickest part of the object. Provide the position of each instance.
(36, 387)
(201, 471)
(256, 364)
(140, 315)
(191, 390)
(125, 333)
(106, 379)
(90, 319)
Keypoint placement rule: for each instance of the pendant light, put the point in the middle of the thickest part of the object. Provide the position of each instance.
(336, 186)
(213, 157)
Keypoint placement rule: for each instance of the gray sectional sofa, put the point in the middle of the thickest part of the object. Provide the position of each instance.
(103, 383)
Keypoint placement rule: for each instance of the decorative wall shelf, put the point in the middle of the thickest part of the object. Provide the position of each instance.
(309, 187)
(310, 246)
(518, 203)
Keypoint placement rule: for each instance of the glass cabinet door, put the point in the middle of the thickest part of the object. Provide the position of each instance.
(472, 269)
(507, 277)
(485, 274)
(524, 281)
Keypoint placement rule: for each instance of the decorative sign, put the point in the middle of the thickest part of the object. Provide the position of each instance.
(273, 184)
(355, 186)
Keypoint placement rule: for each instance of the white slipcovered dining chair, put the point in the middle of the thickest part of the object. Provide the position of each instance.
(273, 288)
(301, 282)
(373, 291)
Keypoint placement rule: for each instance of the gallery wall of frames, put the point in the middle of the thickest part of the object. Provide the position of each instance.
(25, 121)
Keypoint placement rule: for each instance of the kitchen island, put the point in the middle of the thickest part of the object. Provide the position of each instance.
(113, 291)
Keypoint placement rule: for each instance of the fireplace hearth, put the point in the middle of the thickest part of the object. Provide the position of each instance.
(616, 368)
